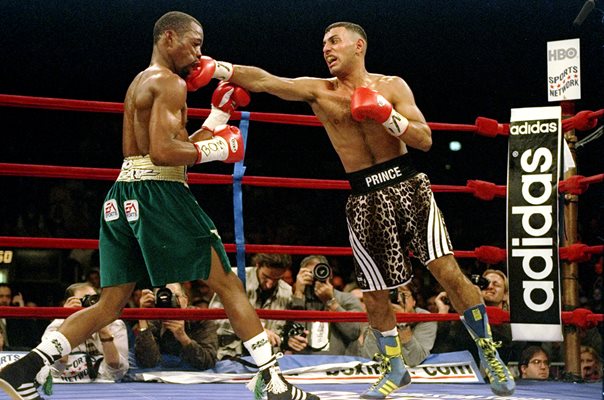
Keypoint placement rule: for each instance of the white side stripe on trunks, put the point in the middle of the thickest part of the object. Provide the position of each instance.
(437, 239)
(435, 224)
(370, 270)
(430, 233)
(443, 235)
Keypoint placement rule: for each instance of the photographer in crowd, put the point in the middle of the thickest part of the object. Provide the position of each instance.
(266, 290)
(493, 287)
(417, 338)
(104, 354)
(12, 328)
(174, 343)
(313, 290)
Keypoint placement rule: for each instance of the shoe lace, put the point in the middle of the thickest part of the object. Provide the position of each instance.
(44, 378)
(495, 366)
(258, 386)
(384, 366)
(276, 385)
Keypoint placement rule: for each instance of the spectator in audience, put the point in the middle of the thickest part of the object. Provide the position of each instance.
(135, 298)
(358, 293)
(591, 365)
(431, 304)
(266, 290)
(13, 329)
(93, 277)
(201, 294)
(186, 344)
(313, 290)
(439, 304)
(417, 338)
(288, 277)
(445, 334)
(104, 354)
(534, 363)
(494, 294)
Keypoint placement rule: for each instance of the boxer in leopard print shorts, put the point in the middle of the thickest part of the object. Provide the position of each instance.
(392, 210)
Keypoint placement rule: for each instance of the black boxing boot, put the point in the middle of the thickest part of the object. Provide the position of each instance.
(270, 382)
(21, 379)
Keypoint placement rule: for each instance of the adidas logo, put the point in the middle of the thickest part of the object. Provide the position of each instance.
(259, 344)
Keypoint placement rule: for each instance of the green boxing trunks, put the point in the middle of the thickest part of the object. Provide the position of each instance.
(153, 230)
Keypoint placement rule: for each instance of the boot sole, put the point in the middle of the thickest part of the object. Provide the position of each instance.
(8, 389)
(395, 390)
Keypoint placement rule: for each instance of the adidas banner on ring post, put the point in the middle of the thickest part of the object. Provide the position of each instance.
(532, 224)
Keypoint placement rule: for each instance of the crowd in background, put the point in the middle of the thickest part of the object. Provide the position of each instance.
(278, 281)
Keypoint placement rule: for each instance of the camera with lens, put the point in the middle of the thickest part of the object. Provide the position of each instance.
(293, 329)
(321, 272)
(164, 298)
(290, 329)
(89, 300)
(480, 281)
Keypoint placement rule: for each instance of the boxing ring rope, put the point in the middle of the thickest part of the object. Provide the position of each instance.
(577, 252)
(484, 126)
(583, 120)
(580, 317)
(573, 185)
(483, 190)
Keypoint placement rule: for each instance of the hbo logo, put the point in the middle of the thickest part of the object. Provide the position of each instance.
(562, 54)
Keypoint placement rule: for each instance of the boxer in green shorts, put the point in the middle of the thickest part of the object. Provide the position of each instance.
(152, 228)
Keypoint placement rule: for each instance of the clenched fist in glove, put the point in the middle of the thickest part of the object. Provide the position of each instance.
(369, 104)
(207, 69)
(226, 98)
(226, 145)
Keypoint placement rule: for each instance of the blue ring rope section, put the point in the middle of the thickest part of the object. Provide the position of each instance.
(238, 172)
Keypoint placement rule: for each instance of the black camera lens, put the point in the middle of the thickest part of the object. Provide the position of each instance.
(294, 329)
(164, 298)
(321, 272)
(394, 298)
(480, 281)
(89, 300)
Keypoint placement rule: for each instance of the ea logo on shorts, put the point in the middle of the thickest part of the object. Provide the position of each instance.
(234, 145)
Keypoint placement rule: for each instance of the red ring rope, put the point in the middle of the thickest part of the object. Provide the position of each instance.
(483, 190)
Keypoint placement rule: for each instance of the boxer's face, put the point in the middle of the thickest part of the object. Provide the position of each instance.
(338, 50)
(186, 49)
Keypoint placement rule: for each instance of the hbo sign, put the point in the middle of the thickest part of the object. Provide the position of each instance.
(562, 54)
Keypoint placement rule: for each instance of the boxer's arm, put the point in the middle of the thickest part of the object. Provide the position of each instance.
(418, 134)
(226, 98)
(166, 146)
(258, 80)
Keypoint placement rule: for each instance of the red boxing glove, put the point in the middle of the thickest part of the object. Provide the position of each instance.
(369, 104)
(207, 69)
(226, 145)
(226, 98)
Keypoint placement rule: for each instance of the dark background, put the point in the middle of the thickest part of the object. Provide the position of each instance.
(462, 59)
